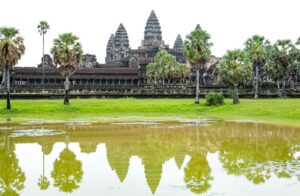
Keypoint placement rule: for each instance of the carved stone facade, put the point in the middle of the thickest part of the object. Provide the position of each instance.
(152, 33)
(178, 44)
(48, 62)
(88, 61)
(118, 46)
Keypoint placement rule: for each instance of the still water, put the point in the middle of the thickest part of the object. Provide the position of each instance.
(168, 159)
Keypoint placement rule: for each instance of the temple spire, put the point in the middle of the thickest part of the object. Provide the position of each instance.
(178, 44)
(198, 27)
(152, 33)
(118, 46)
(110, 49)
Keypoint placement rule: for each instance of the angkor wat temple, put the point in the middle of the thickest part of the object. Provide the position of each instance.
(123, 74)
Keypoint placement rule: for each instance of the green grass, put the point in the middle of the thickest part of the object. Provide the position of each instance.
(280, 111)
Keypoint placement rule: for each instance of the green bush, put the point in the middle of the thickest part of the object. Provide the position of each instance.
(214, 98)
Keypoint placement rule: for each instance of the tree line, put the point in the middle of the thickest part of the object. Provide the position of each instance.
(259, 60)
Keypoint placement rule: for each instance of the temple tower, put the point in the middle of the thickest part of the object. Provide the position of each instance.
(117, 46)
(178, 44)
(110, 49)
(198, 27)
(152, 34)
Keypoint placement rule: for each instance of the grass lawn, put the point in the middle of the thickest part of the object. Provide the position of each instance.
(279, 111)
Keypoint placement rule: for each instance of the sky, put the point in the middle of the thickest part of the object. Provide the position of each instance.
(229, 22)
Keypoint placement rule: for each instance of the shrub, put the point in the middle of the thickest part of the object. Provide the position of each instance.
(214, 98)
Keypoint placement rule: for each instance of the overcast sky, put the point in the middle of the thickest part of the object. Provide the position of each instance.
(230, 22)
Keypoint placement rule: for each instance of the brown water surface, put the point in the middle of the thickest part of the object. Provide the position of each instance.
(164, 158)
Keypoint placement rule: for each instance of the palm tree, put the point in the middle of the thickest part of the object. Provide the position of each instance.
(42, 29)
(197, 52)
(235, 69)
(67, 53)
(11, 49)
(281, 59)
(258, 49)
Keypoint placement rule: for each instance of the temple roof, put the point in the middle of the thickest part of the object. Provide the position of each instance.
(178, 43)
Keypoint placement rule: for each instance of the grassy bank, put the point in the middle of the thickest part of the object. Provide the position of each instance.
(282, 111)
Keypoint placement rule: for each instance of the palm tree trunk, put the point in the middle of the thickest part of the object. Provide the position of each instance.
(8, 106)
(197, 86)
(43, 63)
(256, 81)
(278, 88)
(235, 95)
(67, 85)
(3, 76)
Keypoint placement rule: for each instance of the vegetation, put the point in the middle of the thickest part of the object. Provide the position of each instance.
(235, 69)
(280, 111)
(67, 53)
(43, 27)
(165, 66)
(197, 52)
(214, 98)
(258, 49)
(11, 50)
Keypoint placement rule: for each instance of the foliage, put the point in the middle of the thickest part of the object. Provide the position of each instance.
(43, 26)
(11, 47)
(281, 59)
(197, 48)
(165, 66)
(235, 68)
(214, 98)
(258, 48)
(67, 52)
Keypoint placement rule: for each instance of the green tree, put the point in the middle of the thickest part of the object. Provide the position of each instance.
(280, 62)
(11, 50)
(235, 69)
(182, 71)
(67, 53)
(67, 171)
(197, 52)
(43, 27)
(258, 49)
(163, 67)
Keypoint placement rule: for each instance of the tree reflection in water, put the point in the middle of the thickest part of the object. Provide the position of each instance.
(12, 177)
(67, 171)
(256, 152)
(197, 174)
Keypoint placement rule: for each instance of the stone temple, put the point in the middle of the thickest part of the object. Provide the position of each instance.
(124, 72)
(118, 48)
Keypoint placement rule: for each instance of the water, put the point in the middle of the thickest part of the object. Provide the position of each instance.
(170, 158)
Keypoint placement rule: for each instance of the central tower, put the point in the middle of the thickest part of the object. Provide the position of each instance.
(152, 34)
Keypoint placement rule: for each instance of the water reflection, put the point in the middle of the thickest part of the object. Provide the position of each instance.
(256, 152)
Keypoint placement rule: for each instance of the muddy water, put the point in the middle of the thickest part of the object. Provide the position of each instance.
(170, 158)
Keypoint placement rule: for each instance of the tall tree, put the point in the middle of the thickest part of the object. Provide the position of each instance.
(235, 69)
(280, 61)
(11, 50)
(197, 52)
(67, 53)
(43, 27)
(258, 49)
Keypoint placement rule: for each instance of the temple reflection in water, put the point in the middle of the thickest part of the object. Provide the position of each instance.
(69, 155)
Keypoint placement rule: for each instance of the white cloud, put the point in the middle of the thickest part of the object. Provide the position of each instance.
(230, 22)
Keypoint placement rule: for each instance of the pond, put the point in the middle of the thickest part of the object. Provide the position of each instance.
(149, 158)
